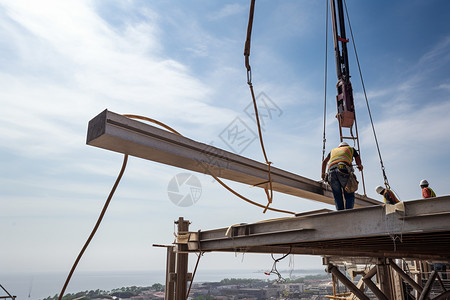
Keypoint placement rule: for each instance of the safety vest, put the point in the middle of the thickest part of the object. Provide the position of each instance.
(389, 197)
(341, 154)
(432, 193)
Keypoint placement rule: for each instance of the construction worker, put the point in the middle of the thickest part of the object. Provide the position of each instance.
(426, 191)
(339, 162)
(388, 195)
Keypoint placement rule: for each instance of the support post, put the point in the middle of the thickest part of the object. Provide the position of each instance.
(405, 276)
(384, 277)
(427, 289)
(181, 261)
(367, 279)
(334, 285)
(357, 292)
(441, 283)
(170, 274)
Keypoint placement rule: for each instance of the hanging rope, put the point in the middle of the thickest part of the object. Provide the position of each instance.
(325, 82)
(274, 269)
(269, 192)
(94, 230)
(386, 182)
(248, 41)
(152, 121)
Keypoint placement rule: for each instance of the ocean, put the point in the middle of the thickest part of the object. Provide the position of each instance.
(36, 286)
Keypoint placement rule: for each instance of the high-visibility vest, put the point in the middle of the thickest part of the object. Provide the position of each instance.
(341, 154)
(389, 197)
(432, 193)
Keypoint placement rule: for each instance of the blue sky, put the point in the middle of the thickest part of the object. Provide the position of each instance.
(182, 63)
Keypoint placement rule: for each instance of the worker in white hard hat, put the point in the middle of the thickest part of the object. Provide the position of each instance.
(427, 192)
(388, 196)
(339, 162)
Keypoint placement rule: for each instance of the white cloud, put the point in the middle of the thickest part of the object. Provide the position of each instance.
(228, 10)
(65, 64)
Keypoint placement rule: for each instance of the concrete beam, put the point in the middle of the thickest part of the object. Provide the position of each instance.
(117, 133)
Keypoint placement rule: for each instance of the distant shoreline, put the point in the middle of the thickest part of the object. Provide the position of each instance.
(36, 286)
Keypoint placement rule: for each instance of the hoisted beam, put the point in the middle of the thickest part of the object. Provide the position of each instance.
(118, 133)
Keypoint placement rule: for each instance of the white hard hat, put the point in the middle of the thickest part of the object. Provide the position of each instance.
(423, 182)
(343, 144)
(379, 189)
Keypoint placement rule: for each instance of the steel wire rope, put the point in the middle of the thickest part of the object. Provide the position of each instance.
(324, 140)
(255, 106)
(359, 149)
(209, 172)
(386, 182)
(94, 230)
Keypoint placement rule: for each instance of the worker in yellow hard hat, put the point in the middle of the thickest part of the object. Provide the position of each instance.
(339, 162)
(388, 195)
(427, 192)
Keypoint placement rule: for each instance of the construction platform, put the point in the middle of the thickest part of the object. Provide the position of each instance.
(418, 229)
(380, 238)
(374, 233)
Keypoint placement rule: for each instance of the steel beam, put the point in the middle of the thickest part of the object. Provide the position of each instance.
(384, 276)
(181, 262)
(118, 133)
(359, 232)
(367, 279)
(342, 278)
(405, 276)
(428, 286)
(170, 269)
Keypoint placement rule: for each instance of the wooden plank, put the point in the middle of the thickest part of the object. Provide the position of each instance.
(118, 133)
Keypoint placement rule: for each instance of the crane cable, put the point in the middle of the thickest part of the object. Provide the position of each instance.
(386, 182)
(269, 192)
(325, 85)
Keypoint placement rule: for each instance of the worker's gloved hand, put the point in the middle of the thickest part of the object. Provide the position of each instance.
(324, 177)
(360, 167)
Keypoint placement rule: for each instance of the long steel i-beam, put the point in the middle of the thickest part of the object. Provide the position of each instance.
(118, 133)
(421, 231)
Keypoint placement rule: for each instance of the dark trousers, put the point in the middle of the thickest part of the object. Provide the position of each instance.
(338, 180)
